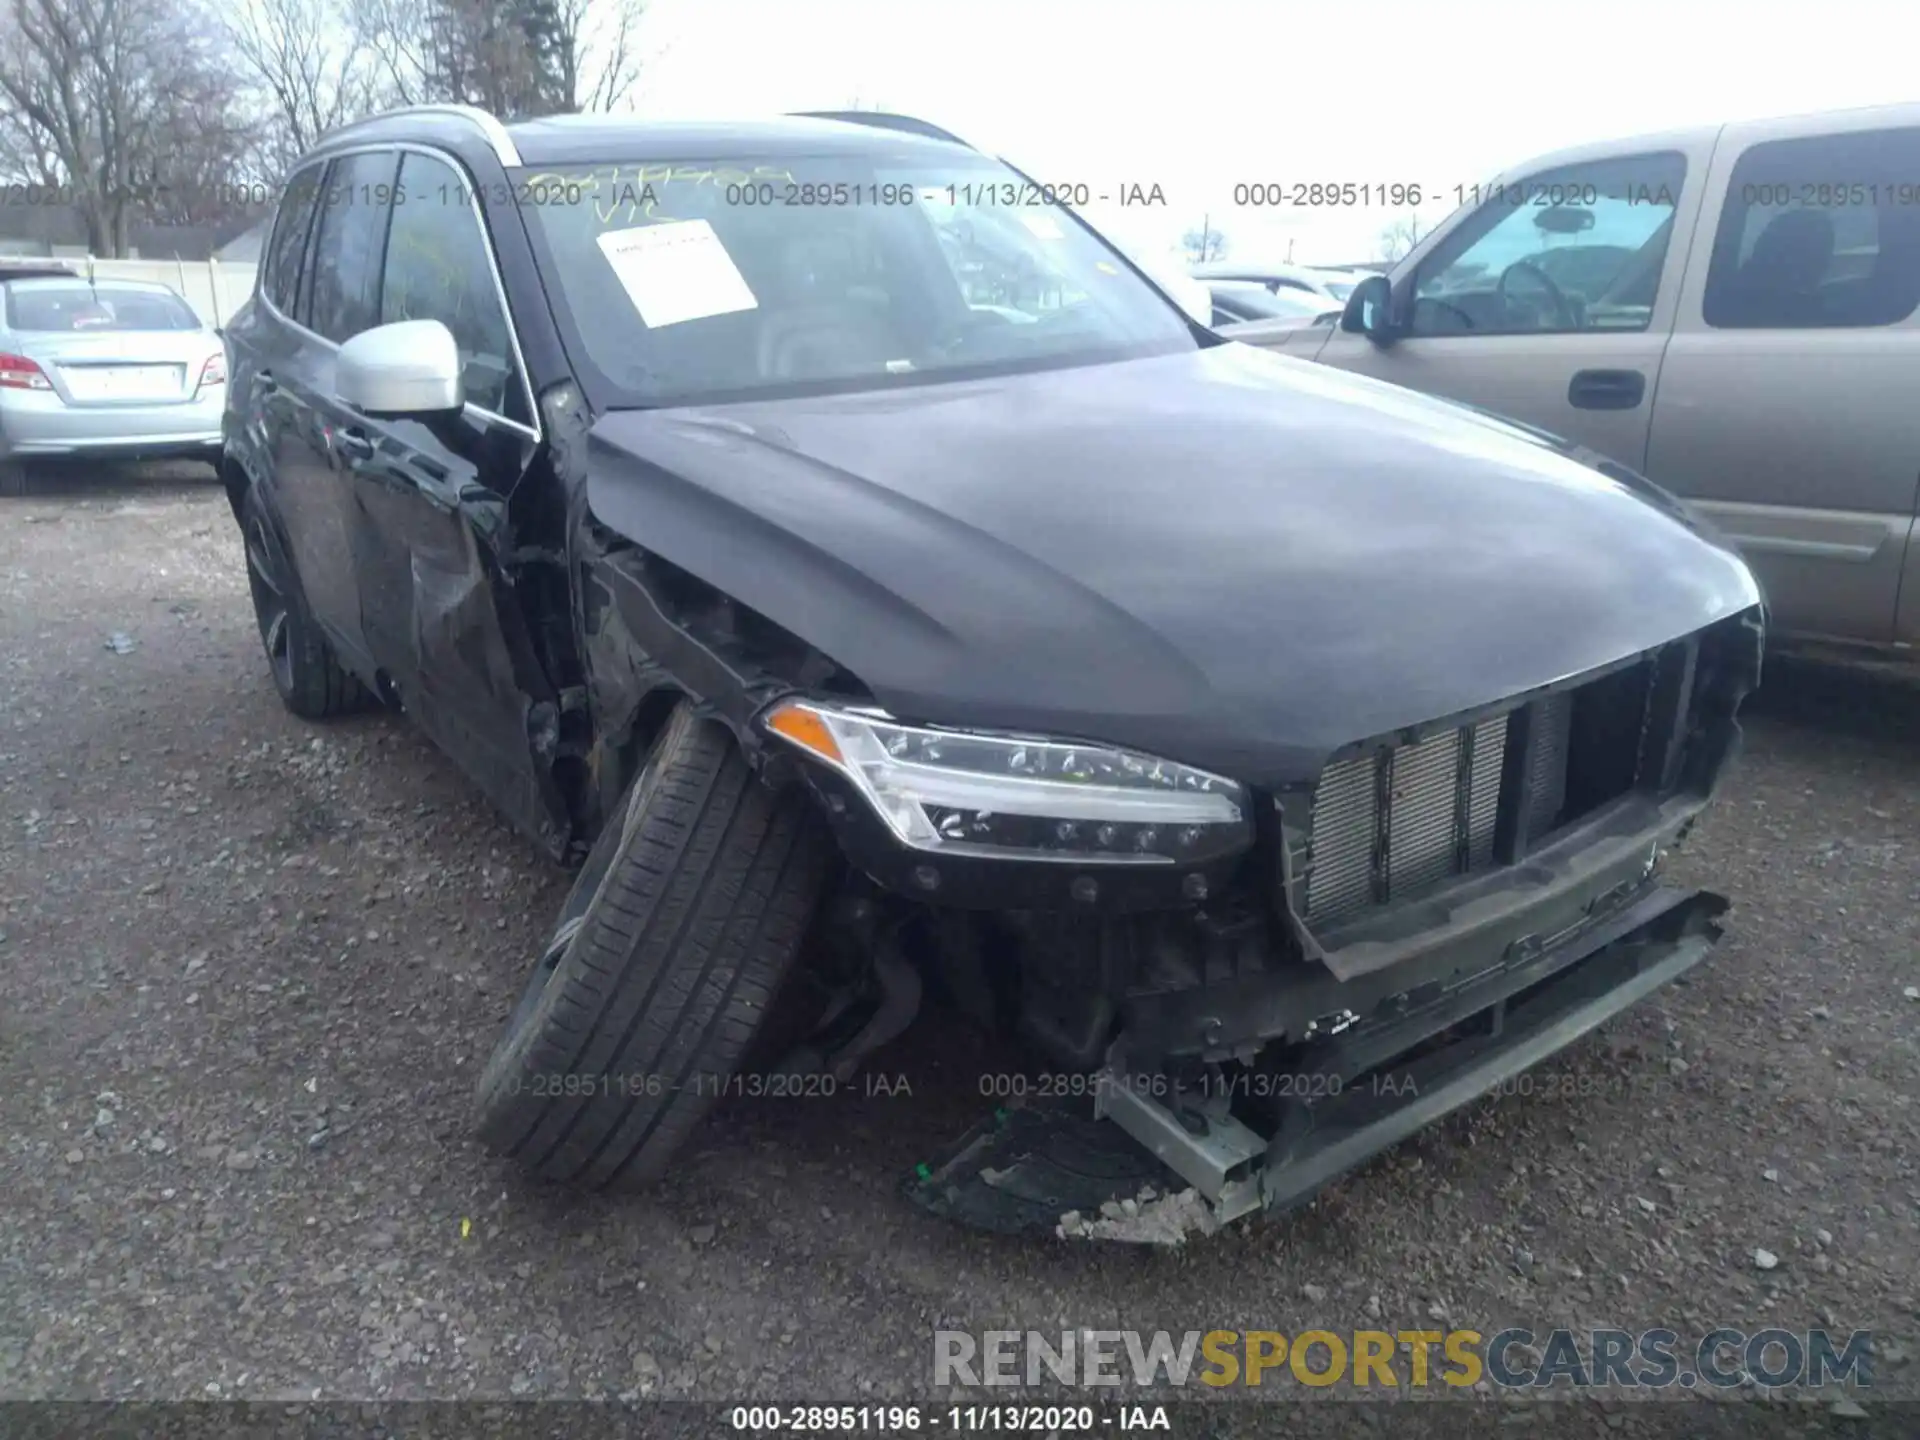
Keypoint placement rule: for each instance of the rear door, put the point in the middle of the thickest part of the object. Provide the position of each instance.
(1788, 409)
(428, 498)
(1551, 299)
(342, 299)
(264, 341)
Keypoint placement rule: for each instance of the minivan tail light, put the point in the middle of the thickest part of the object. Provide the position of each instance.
(214, 372)
(17, 372)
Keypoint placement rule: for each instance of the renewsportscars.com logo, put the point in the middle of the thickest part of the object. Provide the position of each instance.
(1513, 1358)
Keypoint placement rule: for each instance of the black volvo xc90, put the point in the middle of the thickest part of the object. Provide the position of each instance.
(880, 589)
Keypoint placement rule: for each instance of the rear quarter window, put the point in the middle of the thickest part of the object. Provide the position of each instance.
(280, 274)
(1821, 232)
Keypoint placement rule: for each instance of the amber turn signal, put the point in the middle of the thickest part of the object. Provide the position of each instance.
(806, 729)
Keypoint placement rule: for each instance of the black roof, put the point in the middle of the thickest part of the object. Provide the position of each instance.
(575, 139)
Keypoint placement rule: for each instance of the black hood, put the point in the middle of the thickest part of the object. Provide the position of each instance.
(1225, 556)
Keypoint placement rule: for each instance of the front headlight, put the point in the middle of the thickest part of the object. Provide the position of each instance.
(963, 791)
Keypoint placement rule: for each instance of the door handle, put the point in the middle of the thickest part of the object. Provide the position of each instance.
(351, 444)
(1606, 389)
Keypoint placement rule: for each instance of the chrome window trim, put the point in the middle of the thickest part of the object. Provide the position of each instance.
(533, 431)
(490, 127)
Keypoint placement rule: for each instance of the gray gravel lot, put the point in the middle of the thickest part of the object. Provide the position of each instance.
(249, 969)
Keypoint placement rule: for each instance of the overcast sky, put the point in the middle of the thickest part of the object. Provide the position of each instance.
(1198, 95)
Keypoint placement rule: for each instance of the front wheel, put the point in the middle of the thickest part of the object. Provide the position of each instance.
(680, 928)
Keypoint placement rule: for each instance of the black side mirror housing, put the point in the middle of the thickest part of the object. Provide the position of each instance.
(1370, 311)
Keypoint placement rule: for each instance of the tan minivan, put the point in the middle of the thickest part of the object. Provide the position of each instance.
(1730, 311)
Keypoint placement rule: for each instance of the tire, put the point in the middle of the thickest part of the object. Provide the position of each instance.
(311, 681)
(680, 928)
(13, 480)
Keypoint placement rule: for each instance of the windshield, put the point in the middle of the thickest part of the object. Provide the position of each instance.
(709, 280)
(1339, 289)
(57, 306)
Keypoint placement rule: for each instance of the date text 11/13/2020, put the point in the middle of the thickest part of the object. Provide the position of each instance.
(774, 1085)
(905, 1419)
(1547, 1086)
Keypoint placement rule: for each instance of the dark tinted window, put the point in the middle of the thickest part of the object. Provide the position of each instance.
(56, 307)
(280, 277)
(438, 268)
(1819, 233)
(347, 243)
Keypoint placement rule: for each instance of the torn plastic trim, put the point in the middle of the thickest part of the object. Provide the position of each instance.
(1236, 1016)
(729, 685)
(640, 651)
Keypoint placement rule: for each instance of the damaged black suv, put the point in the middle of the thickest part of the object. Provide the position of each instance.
(837, 550)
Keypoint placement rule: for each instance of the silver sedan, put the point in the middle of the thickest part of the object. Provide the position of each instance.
(119, 369)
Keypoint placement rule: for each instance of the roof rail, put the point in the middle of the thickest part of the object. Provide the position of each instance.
(882, 120)
(495, 133)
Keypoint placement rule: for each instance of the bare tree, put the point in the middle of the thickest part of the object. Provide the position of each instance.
(1204, 242)
(600, 56)
(1401, 236)
(312, 67)
(512, 57)
(397, 37)
(123, 102)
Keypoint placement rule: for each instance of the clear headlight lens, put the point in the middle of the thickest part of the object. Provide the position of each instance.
(1007, 795)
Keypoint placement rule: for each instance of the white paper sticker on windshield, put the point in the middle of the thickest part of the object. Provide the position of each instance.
(676, 271)
(1043, 225)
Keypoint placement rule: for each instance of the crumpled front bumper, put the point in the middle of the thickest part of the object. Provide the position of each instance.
(1369, 1099)
(1060, 1170)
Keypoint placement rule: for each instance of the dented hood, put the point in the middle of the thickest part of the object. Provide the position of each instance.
(1225, 556)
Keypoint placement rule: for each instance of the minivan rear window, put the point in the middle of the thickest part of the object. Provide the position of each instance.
(79, 308)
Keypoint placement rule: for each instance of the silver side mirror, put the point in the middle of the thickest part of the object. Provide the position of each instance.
(411, 367)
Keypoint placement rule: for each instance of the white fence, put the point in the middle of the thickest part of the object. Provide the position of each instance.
(215, 288)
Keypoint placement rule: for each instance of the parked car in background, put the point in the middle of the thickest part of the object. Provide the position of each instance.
(119, 369)
(1190, 715)
(1734, 311)
(1237, 301)
(1314, 280)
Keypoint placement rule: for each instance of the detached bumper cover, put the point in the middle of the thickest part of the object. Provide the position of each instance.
(1026, 1170)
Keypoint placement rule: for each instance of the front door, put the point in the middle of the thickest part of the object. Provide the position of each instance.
(1551, 300)
(442, 621)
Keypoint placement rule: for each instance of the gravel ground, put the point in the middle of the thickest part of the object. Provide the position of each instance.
(249, 969)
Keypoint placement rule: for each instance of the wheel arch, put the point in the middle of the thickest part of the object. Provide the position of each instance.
(654, 635)
(235, 480)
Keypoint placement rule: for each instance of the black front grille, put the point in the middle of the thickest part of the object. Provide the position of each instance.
(1395, 822)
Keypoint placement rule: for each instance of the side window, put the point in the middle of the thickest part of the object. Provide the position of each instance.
(1579, 248)
(1819, 233)
(280, 277)
(355, 203)
(439, 268)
